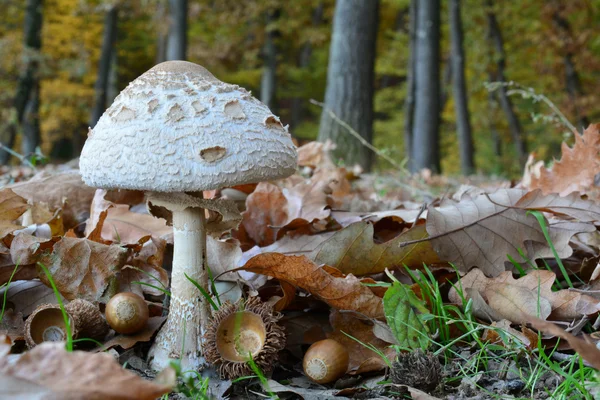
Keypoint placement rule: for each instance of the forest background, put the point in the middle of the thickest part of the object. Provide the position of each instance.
(72, 57)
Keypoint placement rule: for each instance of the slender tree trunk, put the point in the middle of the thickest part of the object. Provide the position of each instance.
(162, 34)
(177, 39)
(268, 83)
(573, 84)
(350, 75)
(106, 58)
(409, 102)
(495, 36)
(459, 86)
(425, 148)
(446, 84)
(303, 62)
(112, 90)
(27, 99)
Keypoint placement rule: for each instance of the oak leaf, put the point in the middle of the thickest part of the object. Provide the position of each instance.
(50, 372)
(325, 283)
(517, 299)
(12, 206)
(352, 250)
(577, 168)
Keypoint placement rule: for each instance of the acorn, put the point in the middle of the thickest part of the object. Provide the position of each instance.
(127, 313)
(242, 331)
(46, 324)
(326, 361)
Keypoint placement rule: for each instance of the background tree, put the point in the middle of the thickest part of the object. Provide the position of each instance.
(178, 27)
(459, 89)
(349, 93)
(425, 137)
(107, 59)
(268, 84)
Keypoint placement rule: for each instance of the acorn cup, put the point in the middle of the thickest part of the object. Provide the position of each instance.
(240, 331)
(46, 323)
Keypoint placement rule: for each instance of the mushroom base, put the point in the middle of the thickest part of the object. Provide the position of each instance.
(181, 336)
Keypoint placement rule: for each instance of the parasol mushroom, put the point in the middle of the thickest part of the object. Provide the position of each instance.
(174, 132)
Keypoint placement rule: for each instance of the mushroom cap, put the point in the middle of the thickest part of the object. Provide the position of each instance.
(177, 128)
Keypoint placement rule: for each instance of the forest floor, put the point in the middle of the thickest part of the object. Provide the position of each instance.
(435, 287)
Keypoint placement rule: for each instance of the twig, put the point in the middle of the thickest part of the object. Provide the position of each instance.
(358, 137)
(19, 156)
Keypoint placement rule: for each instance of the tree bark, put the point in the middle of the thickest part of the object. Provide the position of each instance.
(303, 62)
(459, 86)
(350, 75)
(268, 82)
(425, 147)
(27, 99)
(573, 84)
(409, 102)
(495, 36)
(104, 67)
(177, 37)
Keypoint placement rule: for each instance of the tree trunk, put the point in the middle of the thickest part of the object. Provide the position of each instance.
(573, 85)
(350, 74)
(177, 39)
(112, 90)
(459, 86)
(268, 82)
(409, 102)
(425, 148)
(106, 57)
(162, 32)
(27, 99)
(303, 62)
(495, 36)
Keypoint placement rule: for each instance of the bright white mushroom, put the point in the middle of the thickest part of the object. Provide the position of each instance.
(175, 131)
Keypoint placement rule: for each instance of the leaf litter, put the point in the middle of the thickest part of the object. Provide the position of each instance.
(470, 270)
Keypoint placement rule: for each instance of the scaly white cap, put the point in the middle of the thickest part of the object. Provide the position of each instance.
(177, 128)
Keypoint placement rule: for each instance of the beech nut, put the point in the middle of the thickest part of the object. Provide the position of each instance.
(326, 361)
(127, 313)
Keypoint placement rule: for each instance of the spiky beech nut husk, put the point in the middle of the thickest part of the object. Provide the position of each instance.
(127, 313)
(417, 369)
(46, 324)
(89, 321)
(326, 361)
(238, 331)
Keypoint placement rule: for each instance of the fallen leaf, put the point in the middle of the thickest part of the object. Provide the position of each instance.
(483, 232)
(576, 170)
(340, 292)
(588, 351)
(352, 250)
(12, 206)
(64, 190)
(572, 205)
(403, 312)
(25, 296)
(514, 298)
(27, 249)
(12, 325)
(353, 333)
(50, 372)
(128, 341)
(82, 268)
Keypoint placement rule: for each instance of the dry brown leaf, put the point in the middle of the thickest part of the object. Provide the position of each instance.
(50, 372)
(576, 170)
(24, 273)
(362, 359)
(512, 295)
(63, 190)
(26, 249)
(588, 351)
(12, 325)
(269, 210)
(128, 341)
(12, 206)
(483, 232)
(352, 250)
(25, 296)
(316, 154)
(82, 268)
(327, 284)
(572, 205)
(150, 261)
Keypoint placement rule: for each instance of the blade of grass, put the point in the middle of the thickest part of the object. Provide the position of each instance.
(69, 344)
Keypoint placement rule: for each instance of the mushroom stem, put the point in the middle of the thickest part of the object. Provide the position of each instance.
(189, 313)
